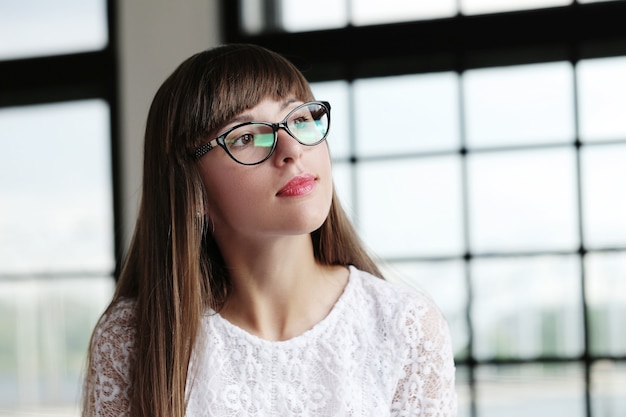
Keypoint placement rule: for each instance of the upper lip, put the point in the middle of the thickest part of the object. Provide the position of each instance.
(297, 181)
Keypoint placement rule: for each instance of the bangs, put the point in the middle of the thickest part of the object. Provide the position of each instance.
(238, 77)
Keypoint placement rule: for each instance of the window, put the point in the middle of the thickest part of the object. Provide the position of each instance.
(57, 240)
(48, 27)
(499, 159)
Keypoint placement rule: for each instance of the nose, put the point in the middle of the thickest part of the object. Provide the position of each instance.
(287, 148)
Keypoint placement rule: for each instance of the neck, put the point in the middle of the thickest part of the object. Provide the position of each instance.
(278, 289)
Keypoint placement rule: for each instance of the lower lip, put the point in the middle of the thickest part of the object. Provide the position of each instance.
(297, 188)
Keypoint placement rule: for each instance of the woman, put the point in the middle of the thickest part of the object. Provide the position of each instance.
(246, 290)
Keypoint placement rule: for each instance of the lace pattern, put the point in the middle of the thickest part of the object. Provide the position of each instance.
(382, 351)
(112, 350)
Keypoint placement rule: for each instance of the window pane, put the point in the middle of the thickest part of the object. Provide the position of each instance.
(445, 282)
(55, 188)
(324, 14)
(523, 201)
(602, 99)
(595, 1)
(370, 12)
(45, 326)
(411, 207)
(463, 390)
(252, 18)
(411, 113)
(495, 6)
(538, 390)
(526, 307)
(606, 301)
(330, 14)
(604, 195)
(608, 388)
(48, 27)
(337, 93)
(519, 105)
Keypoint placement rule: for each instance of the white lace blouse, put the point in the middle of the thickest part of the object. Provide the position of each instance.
(383, 350)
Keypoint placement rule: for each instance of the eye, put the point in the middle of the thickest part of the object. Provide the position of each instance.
(240, 141)
(300, 120)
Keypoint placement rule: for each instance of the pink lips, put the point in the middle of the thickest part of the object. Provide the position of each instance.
(297, 186)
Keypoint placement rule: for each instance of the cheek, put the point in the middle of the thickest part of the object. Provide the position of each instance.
(216, 191)
(325, 171)
(322, 157)
(326, 168)
(220, 197)
(231, 197)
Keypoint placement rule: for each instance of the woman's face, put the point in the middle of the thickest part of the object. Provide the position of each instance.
(288, 194)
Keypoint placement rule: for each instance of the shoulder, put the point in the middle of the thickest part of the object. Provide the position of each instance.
(114, 334)
(412, 326)
(117, 320)
(108, 379)
(406, 309)
(391, 296)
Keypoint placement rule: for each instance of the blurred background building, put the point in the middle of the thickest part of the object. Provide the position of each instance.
(479, 146)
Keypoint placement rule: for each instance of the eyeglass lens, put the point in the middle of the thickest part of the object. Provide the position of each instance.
(253, 142)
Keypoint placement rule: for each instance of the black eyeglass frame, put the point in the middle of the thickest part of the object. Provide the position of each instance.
(221, 139)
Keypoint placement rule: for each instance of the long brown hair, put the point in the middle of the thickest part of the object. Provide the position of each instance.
(174, 270)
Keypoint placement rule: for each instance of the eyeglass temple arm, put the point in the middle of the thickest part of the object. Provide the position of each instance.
(205, 148)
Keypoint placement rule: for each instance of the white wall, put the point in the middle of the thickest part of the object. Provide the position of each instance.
(154, 37)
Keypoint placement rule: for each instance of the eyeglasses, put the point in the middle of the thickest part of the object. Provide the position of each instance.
(251, 143)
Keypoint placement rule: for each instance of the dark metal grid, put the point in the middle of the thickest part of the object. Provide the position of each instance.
(568, 33)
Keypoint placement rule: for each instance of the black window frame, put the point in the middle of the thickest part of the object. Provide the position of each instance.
(70, 77)
(459, 43)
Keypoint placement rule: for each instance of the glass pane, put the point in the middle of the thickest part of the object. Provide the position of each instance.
(608, 388)
(463, 391)
(519, 105)
(45, 326)
(252, 16)
(411, 207)
(537, 390)
(324, 14)
(526, 307)
(494, 6)
(602, 98)
(443, 281)
(342, 176)
(606, 301)
(604, 196)
(418, 112)
(370, 12)
(523, 201)
(55, 188)
(48, 27)
(595, 1)
(336, 93)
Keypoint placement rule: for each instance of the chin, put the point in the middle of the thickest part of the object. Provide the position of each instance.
(305, 224)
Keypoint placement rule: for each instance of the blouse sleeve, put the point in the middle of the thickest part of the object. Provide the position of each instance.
(426, 386)
(108, 376)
